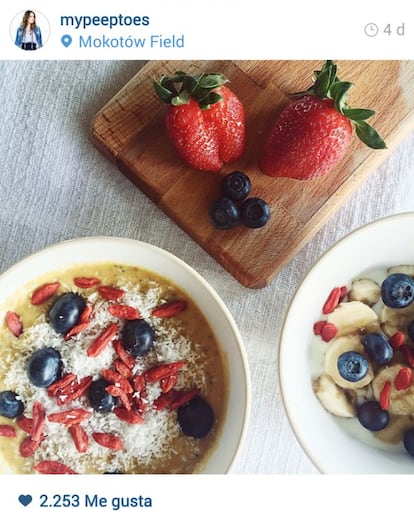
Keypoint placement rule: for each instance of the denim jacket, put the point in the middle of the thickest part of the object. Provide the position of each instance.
(19, 36)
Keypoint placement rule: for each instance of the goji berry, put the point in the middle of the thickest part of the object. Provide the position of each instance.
(159, 372)
(329, 331)
(60, 384)
(43, 293)
(108, 440)
(122, 369)
(6, 430)
(128, 416)
(110, 293)
(332, 301)
(80, 437)
(115, 378)
(38, 421)
(76, 329)
(70, 417)
(344, 293)
(86, 314)
(167, 383)
(28, 446)
(124, 312)
(85, 282)
(115, 391)
(127, 358)
(24, 423)
(169, 309)
(318, 326)
(73, 391)
(397, 340)
(165, 400)
(184, 398)
(403, 379)
(138, 383)
(14, 323)
(52, 467)
(140, 404)
(384, 399)
(99, 344)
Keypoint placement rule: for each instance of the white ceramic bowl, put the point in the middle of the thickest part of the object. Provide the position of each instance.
(331, 448)
(132, 252)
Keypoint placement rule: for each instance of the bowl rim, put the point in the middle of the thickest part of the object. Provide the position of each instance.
(315, 458)
(20, 264)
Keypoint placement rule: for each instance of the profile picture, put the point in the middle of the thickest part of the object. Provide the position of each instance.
(29, 30)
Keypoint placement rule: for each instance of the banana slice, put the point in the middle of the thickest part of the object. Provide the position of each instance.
(353, 318)
(333, 398)
(366, 291)
(394, 320)
(359, 395)
(335, 349)
(401, 401)
(403, 269)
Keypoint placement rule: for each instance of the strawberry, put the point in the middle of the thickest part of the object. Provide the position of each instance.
(205, 120)
(313, 133)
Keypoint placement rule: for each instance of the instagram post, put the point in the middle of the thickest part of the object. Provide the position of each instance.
(207, 276)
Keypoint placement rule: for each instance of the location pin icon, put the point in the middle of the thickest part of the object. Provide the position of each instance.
(66, 40)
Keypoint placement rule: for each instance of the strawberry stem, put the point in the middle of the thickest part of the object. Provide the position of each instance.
(180, 88)
(327, 85)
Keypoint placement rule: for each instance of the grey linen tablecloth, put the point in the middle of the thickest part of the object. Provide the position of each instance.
(54, 185)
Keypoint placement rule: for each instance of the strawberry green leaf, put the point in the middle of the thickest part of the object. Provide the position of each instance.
(183, 98)
(327, 85)
(189, 83)
(209, 100)
(211, 81)
(322, 83)
(325, 78)
(339, 93)
(164, 93)
(358, 114)
(181, 87)
(369, 135)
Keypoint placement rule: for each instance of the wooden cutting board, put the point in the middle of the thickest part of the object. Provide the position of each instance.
(130, 132)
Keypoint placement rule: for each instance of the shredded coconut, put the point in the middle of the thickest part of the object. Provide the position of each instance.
(144, 443)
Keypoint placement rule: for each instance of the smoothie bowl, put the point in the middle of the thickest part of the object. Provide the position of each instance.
(346, 363)
(117, 357)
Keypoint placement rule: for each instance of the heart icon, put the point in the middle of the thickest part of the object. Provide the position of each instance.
(25, 499)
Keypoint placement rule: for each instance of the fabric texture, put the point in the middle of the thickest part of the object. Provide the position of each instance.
(55, 185)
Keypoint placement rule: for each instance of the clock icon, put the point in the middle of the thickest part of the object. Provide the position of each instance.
(371, 29)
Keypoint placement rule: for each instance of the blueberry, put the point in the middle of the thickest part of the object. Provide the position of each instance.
(11, 405)
(397, 290)
(196, 418)
(377, 347)
(255, 212)
(408, 441)
(352, 366)
(224, 213)
(99, 398)
(236, 186)
(45, 366)
(372, 416)
(137, 337)
(65, 312)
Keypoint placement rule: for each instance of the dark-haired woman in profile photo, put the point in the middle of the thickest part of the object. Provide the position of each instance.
(29, 36)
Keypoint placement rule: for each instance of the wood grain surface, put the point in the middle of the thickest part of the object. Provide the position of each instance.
(130, 131)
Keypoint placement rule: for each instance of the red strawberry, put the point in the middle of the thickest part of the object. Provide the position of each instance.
(313, 133)
(205, 120)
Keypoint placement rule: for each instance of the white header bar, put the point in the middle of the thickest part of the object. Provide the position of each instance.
(225, 29)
